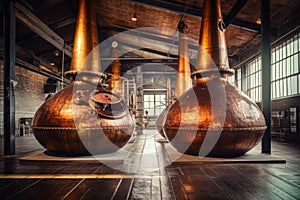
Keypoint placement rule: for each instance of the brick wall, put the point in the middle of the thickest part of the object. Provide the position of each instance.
(29, 93)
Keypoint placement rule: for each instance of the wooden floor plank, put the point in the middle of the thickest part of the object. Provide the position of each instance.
(100, 189)
(197, 181)
(47, 188)
(17, 188)
(123, 189)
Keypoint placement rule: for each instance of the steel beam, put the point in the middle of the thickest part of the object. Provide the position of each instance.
(133, 38)
(266, 73)
(148, 50)
(194, 12)
(234, 11)
(40, 28)
(53, 26)
(9, 78)
(35, 69)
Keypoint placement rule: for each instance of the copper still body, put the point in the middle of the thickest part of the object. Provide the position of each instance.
(183, 78)
(213, 118)
(84, 118)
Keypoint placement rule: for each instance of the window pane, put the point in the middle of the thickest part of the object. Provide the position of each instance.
(284, 88)
(277, 54)
(298, 84)
(280, 52)
(292, 47)
(284, 50)
(288, 67)
(273, 72)
(273, 90)
(294, 84)
(151, 112)
(289, 48)
(289, 90)
(151, 98)
(273, 56)
(277, 89)
(239, 74)
(295, 46)
(296, 64)
(284, 68)
(277, 71)
(280, 69)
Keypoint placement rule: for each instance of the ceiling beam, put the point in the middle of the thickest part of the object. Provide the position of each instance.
(144, 41)
(152, 51)
(53, 26)
(194, 12)
(51, 50)
(37, 5)
(142, 33)
(234, 11)
(23, 64)
(26, 4)
(40, 28)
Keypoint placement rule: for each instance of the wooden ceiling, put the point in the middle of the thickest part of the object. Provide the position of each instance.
(114, 16)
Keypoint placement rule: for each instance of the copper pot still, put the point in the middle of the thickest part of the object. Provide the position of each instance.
(84, 118)
(213, 118)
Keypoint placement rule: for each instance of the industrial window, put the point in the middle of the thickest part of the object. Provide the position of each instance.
(253, 79)
(154, 103)
(285, 71)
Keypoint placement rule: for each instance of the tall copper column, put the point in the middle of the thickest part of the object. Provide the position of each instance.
(213, 118)
(115, 83)
(183, 78)
(84, 118)
(86, 39)
(212, 40)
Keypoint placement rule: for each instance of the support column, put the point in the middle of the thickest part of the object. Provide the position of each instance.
(266, 73)
(9, 76)
(243, 79)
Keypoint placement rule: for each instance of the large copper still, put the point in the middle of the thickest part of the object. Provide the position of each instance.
(84, 118)
(183, 79)
(220, 121)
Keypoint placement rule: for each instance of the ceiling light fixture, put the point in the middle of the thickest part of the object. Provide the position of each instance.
(52, 63)
(134, 19)
(56, 53)
(258, 21)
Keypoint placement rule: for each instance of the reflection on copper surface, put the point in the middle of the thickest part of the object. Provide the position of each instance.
(188, 122)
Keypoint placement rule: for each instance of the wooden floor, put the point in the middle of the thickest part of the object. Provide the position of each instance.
(93, 180)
